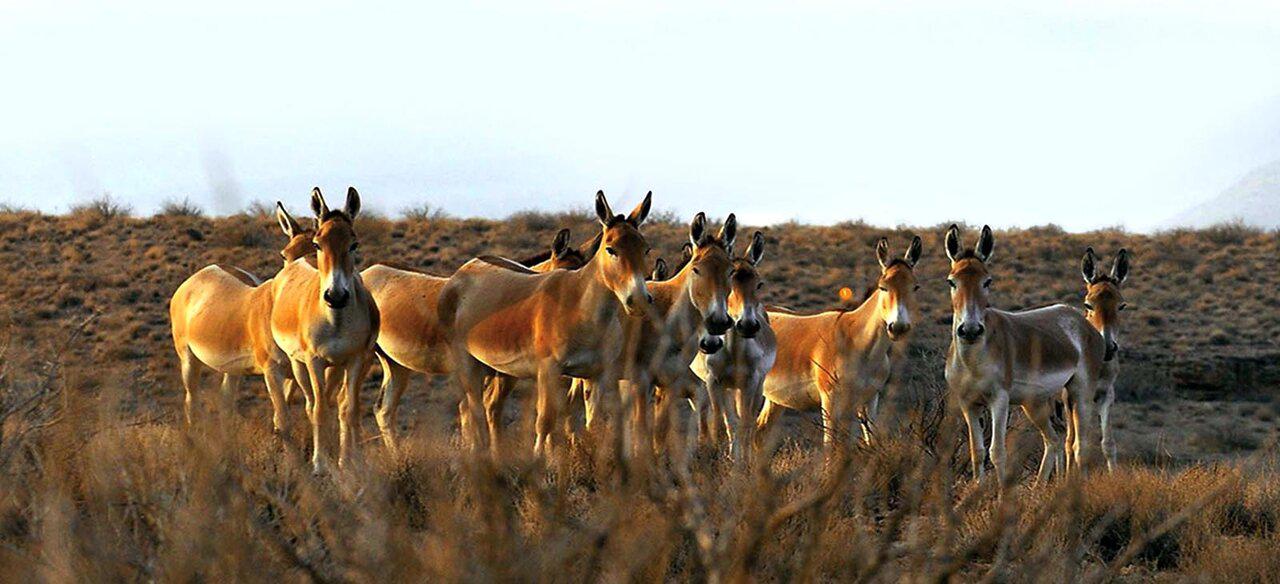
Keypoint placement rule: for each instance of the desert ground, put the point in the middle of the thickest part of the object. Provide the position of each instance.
(101, 479)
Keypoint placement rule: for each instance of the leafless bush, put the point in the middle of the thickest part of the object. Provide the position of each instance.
(104, 208)
(183, 208)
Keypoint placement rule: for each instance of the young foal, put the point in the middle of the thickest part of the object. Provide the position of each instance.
(1019, 358)
(504, 319)
(842, 360)
(324, 318)
(411, 339)
(1102, 305)
(221, 318)
(734, 377)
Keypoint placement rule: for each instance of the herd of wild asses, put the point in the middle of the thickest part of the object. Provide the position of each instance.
(597, 331)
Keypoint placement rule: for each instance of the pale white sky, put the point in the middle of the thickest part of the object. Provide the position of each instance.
(1082, 114)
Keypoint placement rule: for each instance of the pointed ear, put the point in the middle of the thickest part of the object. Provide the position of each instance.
(1120, 268)
(755, 251)
(1087, 267)
(589, 248)
(882, 252)
(729, 232)
(697, 229)
(660, 269)
(913, 252)
(686, 252)
(953, 242)
(560, 244)
(318, 206)
(288, 225)
(603, 212)
(352, 208)
(641, 212)
(986, 244)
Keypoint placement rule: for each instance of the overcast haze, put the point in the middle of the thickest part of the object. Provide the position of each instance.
(1084, 115)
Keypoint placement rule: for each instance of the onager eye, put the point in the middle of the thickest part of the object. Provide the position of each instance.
(354, 245)
(1088, 306)
(1122, 306)
(883, 289)
(695, 270)
(315, 246)
(952, 283)
(612, 252)
(917, 287)
(986, 283)
(759, 285)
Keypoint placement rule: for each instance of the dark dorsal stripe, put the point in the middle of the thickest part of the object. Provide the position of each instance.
(505, 263)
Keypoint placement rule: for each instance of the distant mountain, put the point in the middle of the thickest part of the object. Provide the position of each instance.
(1254, 200)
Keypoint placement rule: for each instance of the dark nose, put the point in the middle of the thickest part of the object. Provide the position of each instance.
(897, 329)
(1112, 349)
(336, 299)
(970, 332)
(748, 328)
(717, 324)
(710, 345)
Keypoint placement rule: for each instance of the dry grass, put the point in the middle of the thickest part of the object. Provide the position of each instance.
(99, 481)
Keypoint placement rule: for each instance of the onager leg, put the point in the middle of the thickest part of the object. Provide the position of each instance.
(274, 375)
(764, 423)
(349, 408)
(395, 379)
(191, 374)
(977, 450)
(495, 399)
(227, 395)
(551, 393)
(1040, 415)
(1104, 416)
(999, 428)
(319, 409)
(1084, 445)
(472, 376)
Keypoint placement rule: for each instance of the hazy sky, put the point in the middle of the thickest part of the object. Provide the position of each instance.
(1081, 114)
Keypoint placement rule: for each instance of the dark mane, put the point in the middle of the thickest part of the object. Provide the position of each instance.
(536, 259)
(505, 263)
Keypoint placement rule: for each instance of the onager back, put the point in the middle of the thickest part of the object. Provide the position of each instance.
(324, 318)
(221, 319)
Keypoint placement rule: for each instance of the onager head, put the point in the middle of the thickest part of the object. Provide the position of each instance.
(1102, 298)
(709, 267)
(335, 243)
(970, 284)
(622, 251)
(299, 237)
(564, 256)
(897, 286)
(745, 282)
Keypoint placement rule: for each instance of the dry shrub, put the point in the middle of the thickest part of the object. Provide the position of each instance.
(183, 208)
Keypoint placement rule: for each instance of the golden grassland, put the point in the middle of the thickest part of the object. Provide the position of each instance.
(100, 480)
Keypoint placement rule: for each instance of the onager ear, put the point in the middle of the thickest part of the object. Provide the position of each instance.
(697, 229)
(686, 252)
(913, 251)
(729, 232)
(660, 269)
(603, 212)
(755, 251)
(953, 242)
(318, 206)
(560, 244)
(288, 225)
(1120, 268)
(1087, 268)
(986, 244)
(641, 212)
(882, 253)
(352, 208)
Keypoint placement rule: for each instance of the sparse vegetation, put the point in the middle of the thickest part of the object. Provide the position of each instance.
(103, 208)
(100, 480)
(183, 208)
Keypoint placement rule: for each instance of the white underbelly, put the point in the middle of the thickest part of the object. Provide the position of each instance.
(792, 391)
(1043, 385)
(223, 361)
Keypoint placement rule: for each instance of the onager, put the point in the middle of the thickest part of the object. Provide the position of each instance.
(412, 340)
(221, 319)
(1016, 358)
(734, 377)
(501, 318)
(324, 318)
(1103, 303)
(842, 360)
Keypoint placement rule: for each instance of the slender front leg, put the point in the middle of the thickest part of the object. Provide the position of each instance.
(191, 374)
(349, 418)
(395, 379)
(1104, 416)
(714, 410)
(302, 376)
(230, 390)
(977, 450)
(999, 427)
(319, 410)
(495, 399)
(1040, 415)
